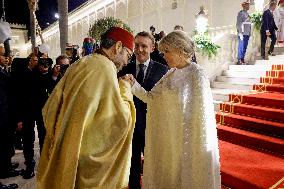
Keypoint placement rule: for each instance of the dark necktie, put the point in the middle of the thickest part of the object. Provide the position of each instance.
(140, 76)
(4, 71)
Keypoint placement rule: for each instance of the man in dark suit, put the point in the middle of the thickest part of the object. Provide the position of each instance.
(26, 112)
(268, 28)
(147, 72)
(6, 127)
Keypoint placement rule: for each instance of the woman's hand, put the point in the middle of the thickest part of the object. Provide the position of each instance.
(129, 78)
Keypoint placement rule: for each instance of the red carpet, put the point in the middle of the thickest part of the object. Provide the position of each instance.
(251, 135)
(244, 168)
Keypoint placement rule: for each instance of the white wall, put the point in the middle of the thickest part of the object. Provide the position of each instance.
(141, 14)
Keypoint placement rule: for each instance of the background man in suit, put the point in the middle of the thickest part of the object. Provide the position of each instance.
(6, 128)
(147, 72)
(26, 112)
(268, 28)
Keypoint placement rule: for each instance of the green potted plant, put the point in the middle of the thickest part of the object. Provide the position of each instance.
(205, 45)
(103, 24)
(255, 19)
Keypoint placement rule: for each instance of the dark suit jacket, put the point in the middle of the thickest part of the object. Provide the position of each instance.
(267, 22)
(4, 100)
(154, 73)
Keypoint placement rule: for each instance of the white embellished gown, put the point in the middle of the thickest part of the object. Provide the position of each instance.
(280, 23)
(181, 150)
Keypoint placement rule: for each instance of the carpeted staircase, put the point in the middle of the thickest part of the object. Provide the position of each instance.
(251, 134)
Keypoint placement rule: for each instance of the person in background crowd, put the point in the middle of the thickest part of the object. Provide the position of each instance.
(26, 112)
(178, 27)
(279, 21)
(244, 31)
(9, 186)
(42, 84)
(72, 53)
(59, 69)
(7, 129)
(155, 35)
(88, 46)
(156, 55)
(148, 73)
(89, 119)
(268, 28)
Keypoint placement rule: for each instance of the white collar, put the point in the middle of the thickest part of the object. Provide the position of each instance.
(145, 63)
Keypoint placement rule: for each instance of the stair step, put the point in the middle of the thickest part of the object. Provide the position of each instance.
(229, 85)
(275, 73)
(243, 74)
(272, 80)
(260, 112)
(217, 105)
(223, 94)
(244, 168)
(269, 62)
(221, 97)
(278, 57)
(265, 99)
(272, 88)
(251, 140)
(278, 67)
(237, 79)
(249, 67)
(251, 124)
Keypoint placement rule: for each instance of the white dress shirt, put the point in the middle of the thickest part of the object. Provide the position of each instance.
(138, 68)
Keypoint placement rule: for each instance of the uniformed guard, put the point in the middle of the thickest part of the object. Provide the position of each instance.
(244, 31)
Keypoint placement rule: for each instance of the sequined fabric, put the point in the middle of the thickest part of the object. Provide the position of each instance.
(181, 149)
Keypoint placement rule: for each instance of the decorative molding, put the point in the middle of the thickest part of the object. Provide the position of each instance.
(18, 26)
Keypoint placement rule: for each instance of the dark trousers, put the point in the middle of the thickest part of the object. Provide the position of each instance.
(41, 132)
(28, 143)
(138, 143)
(18, 140)
(7, 134)
(242, 48)
(6, 145)
(263, 42)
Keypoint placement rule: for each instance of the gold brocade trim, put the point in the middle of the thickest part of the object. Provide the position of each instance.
(260, 88)
(223, 107)
(268, 80)
(278, 184)
(237, 98)
(268, 73)
(278, 67)
(277, 73)
(273, 73)
(231, 107)
(222, 119)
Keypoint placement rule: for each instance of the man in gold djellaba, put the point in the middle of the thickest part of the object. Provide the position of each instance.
(89, 120)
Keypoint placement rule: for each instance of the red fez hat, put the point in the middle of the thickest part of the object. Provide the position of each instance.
(280, 2)
(88, 40)
(119, 34)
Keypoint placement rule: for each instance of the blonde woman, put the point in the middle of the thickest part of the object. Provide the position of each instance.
(279, 16)
(181, 150)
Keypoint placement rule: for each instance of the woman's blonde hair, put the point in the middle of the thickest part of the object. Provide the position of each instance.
(177, 41)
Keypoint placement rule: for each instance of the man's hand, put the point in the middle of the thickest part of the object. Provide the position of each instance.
(241, 36)
(19, 126)
(129, 78)
(56, 71)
